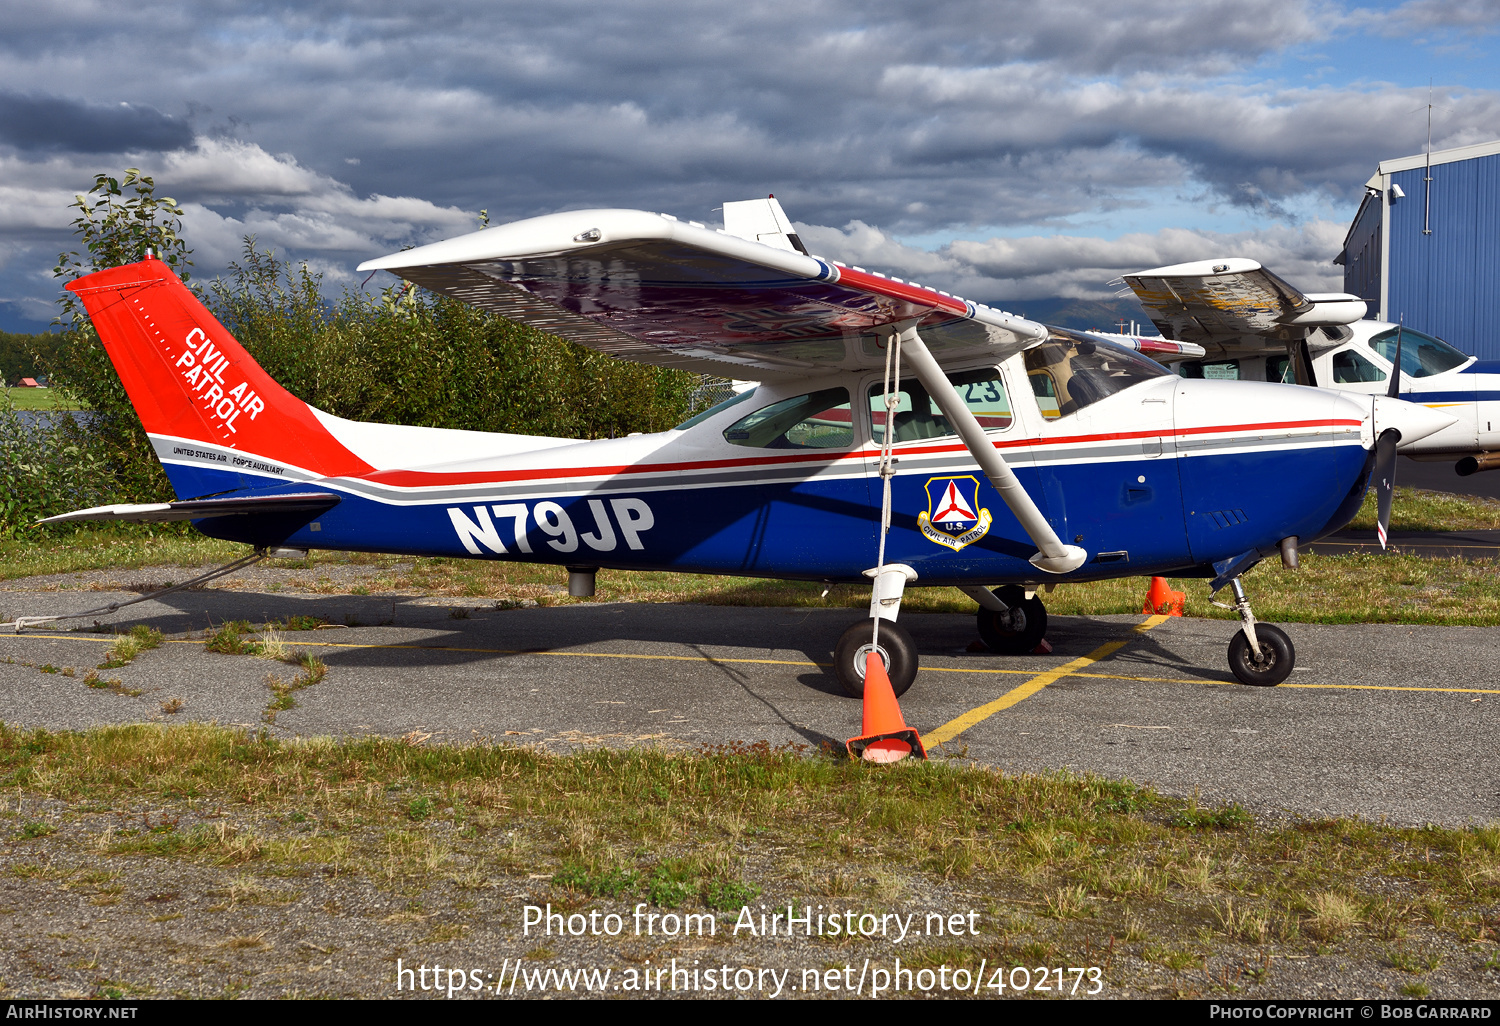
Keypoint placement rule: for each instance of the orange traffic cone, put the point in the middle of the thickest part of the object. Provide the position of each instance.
(886, 736)
(1162, 600)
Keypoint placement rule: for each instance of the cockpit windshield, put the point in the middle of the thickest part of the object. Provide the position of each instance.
(1072, 370)
(1421, 354)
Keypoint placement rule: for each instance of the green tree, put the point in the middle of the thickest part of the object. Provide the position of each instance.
(117, 229)
(118, 220)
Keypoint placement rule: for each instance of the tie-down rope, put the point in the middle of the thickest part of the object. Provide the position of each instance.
(20, 623)
(892, 386)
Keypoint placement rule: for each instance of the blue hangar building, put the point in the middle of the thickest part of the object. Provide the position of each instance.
(1425, 246)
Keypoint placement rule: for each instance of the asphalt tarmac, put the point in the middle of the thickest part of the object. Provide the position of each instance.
(1400, 723)
(1440, 477)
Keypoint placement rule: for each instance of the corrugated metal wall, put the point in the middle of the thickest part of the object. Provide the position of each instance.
(1447, 283)
(1362, 254)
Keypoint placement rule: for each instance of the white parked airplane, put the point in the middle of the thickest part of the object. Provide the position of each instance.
(1254, 326)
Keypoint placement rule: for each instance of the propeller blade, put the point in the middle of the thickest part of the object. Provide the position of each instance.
(1385, 480)
(1396, 370)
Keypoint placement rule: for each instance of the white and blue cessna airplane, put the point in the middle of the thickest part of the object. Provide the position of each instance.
(1244, 317)
(1017, 456)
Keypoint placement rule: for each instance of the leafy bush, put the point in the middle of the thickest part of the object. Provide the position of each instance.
(48, 464)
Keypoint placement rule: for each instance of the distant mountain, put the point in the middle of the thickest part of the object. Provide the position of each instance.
(1100, 314)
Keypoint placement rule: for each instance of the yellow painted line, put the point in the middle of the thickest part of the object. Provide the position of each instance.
(451, 648)
(955, 727)
(1392, 687)
(1066, 670)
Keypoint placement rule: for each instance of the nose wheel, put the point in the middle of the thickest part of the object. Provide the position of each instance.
(897, 650)
(1260, 654)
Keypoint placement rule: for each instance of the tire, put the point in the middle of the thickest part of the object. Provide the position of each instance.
(1018, 630)
(1277, 657)
(897, 649)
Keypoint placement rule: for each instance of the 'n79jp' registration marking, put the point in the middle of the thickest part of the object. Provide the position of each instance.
(481, 532)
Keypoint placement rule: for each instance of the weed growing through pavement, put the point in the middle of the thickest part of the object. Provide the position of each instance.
(271, 646)
(229, 639)
(126, 647)
(283, 691)
(93, 680)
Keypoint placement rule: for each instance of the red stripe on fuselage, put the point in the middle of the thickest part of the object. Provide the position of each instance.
(424, 479)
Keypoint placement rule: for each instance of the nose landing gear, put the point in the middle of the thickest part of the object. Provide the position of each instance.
(1260, 654)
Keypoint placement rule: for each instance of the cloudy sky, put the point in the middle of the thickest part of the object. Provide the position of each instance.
(1005, 150)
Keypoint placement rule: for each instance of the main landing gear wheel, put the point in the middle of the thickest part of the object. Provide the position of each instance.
(897, 651)
(1275, 662)
(1019, 629)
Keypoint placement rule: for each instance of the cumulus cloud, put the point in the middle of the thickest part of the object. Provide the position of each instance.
(339, 129)
(228, 189)
(1004, 271)
(1420, 15)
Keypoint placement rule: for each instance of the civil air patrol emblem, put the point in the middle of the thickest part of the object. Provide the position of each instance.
(953, 517)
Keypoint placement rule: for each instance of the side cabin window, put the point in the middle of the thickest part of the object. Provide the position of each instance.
(1350, 368)
(1216, 370)
(1279, 368)
(1072, 370)
(1421, 354)
(817, 420)
(918, 417)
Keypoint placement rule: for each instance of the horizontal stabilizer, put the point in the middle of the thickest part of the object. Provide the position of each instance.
(198, 509)
(1235, 303)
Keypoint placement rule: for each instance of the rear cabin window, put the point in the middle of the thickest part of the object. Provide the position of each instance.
(918, 417)
(715, 410)
(1072, 370)
(817, 420)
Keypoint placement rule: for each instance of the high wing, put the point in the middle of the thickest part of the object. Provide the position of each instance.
(653, 289)
(1235, 306)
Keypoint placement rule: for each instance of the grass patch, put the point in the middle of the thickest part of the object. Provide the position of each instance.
(1416, 509)
(39, 399)
(608, 883)
(1230, 817)
(1068, 867)
(110, 548)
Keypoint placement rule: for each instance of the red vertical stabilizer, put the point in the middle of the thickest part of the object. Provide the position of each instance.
(189, 379)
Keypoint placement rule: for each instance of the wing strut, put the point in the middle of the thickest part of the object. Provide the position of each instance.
(1054, 557)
